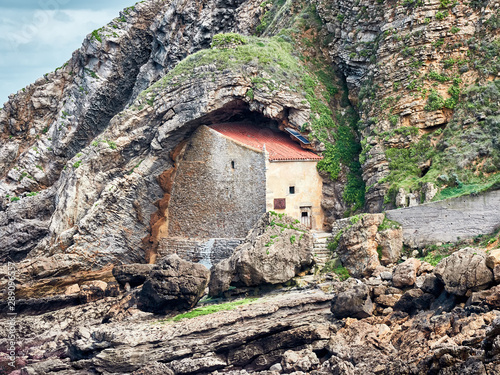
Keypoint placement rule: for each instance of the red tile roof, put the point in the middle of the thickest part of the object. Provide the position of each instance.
(278, 144)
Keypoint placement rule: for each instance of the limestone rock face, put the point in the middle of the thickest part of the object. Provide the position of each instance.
(355, 302)
(274, 252)
(405, 274)
(358, 246)
(464, 271)
(60, 142)
(173, 284)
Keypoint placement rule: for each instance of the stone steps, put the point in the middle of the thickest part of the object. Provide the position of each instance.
(320, 248)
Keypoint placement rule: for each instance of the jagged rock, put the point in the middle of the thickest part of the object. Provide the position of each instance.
(405, 274)
(275, 251)
(92, 291)
(432, 285)
(429, 191)
(355, 302)
(173, 284)
(412, 200)
(413, 301)
(464, 271)
(401, 200)
(133, 274)
(304, 360)
(490, 297)
(358, 246)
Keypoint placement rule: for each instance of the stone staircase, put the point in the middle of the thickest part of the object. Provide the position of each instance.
(320, 249)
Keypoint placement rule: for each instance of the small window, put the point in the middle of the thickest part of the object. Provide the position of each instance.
(292, 189)
(232, 164)
(305, 214)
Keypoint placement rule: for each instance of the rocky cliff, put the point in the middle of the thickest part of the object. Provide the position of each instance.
(400, 97)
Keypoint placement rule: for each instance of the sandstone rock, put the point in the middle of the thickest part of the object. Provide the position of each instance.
(405, 274)
(353, 303)
(173, 284)
(390, 243)
(464, 271)
(275, 250)
(493, 258)
(358, 246)
(133, 274)
(72, 289)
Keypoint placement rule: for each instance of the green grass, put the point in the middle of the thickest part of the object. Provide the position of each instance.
(210, 309)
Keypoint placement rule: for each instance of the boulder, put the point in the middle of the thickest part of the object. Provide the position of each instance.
(358, 246)
(133, 274)
(390, 244)
(387, 300)
(493, 261)
(432, 285)
(276, 250)
(355, 302)
(413, 301)
(464, 272)
(173, 284)
(405, 274)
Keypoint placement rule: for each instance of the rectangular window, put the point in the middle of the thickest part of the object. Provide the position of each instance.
(280, 204)
(292, 189)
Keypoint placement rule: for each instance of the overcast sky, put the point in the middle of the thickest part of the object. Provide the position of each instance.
(37, 36)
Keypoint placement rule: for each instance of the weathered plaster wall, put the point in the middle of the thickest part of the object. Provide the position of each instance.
(304, 176)
(210, 198)
(449, 220)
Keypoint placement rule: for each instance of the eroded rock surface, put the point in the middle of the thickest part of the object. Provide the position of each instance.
(275, 251)
(173, 284)
(464, 271)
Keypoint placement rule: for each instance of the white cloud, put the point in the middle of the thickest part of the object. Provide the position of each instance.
(36, 41)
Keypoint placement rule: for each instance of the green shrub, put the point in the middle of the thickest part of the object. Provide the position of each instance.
(342, 273)
(434, 101)
(228, 40)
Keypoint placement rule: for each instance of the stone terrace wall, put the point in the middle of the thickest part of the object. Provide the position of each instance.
(205, 251)
(449, 220)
